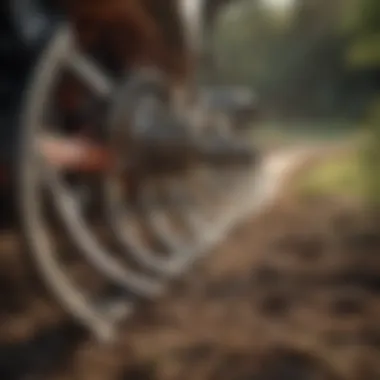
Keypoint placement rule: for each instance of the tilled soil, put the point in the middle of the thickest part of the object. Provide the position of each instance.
(294, 294)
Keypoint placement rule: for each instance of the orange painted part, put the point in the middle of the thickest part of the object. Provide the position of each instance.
(75, 154)
(135, 32)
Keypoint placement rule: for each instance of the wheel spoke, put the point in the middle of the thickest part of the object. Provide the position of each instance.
(91, 74)
(159, 218)
(88, 71)
(200, 215)
(120, 221)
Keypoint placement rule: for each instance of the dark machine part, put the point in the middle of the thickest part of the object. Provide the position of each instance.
(25, 26)
(33, 21)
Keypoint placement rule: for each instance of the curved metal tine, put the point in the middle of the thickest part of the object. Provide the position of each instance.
(199, 228)
(188, 207)
(208, 196)
(209, 233)
(98, 82)
(232, 201)
(88, 244)
(87, 70)
(75, 301)
(227, 182)
(172, 209)
(209, 236)
(160, 217)
(193, 210)
(251, 195)
(30, 192)
(177, 263)
(198, 213)
(119, 219)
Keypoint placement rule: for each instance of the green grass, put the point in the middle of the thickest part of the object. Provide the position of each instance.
(339, 176)
(352, 174)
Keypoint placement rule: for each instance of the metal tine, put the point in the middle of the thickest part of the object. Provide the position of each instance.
(75, 301)
(182, 209)
(219, 182)
(86, 69)
(159, 217)
(184, 204)
(206, 234)
(198, 213)
(196, 222)
(227, 182)
(209, 235)
(250, 194)
(119, 219)
(180, 204)
(209, 195)
(87, 243)
(193, 212)
(188, 206)
(35, 228)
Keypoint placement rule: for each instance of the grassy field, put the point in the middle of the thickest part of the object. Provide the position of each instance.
(343, 175)
(350, 173)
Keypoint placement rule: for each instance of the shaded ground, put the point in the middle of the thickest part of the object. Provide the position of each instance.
(293, 295)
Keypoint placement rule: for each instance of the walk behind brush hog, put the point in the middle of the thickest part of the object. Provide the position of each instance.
(118, 148)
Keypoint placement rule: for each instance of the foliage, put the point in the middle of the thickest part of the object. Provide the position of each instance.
(319, 62)
(302, 62)
(371, 155)
(337, 176)
(365, 54)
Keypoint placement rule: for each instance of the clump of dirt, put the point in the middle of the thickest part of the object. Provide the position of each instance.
(294, 294)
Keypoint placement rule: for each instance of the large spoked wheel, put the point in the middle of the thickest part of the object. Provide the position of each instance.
(138, 164)
(49, 154)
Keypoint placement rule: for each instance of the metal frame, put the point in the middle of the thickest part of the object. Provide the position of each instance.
(206, 213)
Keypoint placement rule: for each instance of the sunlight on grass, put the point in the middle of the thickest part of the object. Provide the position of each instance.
(339, 176)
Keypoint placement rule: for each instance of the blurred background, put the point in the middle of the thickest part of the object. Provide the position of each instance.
(315, 67)
(293, 294)
(309, 60)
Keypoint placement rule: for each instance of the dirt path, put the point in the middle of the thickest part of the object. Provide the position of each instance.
(280, 167)
(292, 294)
